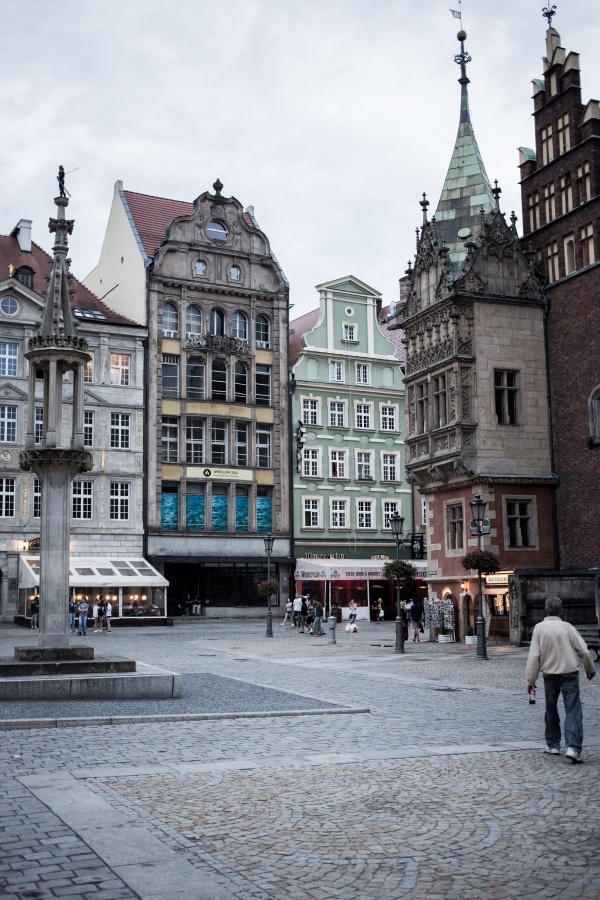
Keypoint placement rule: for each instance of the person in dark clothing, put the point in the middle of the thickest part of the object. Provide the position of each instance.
(303, 615)
(416, 614)
(33, 611)
(189, 603)
(318, 628)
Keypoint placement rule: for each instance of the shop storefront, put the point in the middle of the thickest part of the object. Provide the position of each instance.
(135, 589)
(336, 583)
(497, 601)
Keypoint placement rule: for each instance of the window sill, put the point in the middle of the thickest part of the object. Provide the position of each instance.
(312, 478)
(339, 480)
(338, 530)
(315, 529)
(367, 529)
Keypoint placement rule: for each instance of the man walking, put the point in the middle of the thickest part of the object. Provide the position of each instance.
(318, 628)
(556, 649)
(297, 606)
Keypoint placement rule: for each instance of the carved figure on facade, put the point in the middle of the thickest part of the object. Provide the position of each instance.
(216, 342)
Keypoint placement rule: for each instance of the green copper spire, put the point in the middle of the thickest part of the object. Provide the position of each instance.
(467, 188)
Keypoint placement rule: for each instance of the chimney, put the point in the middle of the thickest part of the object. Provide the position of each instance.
(22, 231)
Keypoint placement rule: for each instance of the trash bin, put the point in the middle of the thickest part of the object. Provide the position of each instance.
(337, 612)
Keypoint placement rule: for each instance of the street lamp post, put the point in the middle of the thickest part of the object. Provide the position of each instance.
(397, 526)
(269, 549)
(479, 526)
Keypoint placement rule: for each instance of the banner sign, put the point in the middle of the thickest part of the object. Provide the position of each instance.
(324, 570)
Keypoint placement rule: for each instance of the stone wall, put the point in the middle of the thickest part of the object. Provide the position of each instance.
(528, 590)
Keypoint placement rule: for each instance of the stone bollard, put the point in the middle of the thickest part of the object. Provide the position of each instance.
(331, 623)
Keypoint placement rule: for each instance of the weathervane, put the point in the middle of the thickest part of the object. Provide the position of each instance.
(549, 14)
(461, 59)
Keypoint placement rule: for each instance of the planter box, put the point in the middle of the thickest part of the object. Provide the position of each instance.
(445, 639)
(471, 639)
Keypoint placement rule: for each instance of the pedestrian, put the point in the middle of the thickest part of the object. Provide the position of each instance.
(556, 650)
(83, 608)
(97, 615)
(297, 607)
(289, 609)
(310, 616)
(34, 609)
(108, 615)
(189, 603)
(72, 608)
(416, 614)
(352, 611)
(196, 608)
(318, 627)
(404, 620)
(380, 611)
(303, 614)
(408, 608)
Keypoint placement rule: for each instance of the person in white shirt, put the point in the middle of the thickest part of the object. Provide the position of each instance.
(96, 616)
(108, 614)
(556, 650)
(297, 610)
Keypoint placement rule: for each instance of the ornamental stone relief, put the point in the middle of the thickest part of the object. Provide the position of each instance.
(216, 342)
(139, 430)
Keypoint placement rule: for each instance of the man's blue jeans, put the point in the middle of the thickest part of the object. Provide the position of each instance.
(568, 685)
(317, 626)
(83, 622)
(71, 621)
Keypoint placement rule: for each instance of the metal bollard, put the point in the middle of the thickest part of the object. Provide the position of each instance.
(331, 623)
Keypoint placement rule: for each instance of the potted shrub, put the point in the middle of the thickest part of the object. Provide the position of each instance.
(470, 636)
(484, 563)
(269, 590)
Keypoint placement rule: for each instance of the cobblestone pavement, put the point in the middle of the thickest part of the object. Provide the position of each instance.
(436, 793)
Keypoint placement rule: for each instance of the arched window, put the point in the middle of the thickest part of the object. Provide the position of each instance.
(241, 383)
(594, 413)
(25, 276)
(569, 255)
(263, 336)
(219, 380)
(240, 326)
(170, 321)
(235, 273)
(193, 320)
(217, 322)
(200, 267)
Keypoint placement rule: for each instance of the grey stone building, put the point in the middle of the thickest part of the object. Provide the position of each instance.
(203, 277)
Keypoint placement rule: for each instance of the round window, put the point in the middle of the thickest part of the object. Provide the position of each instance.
(217, 231)
(200, 268)
(9, 306)
(349, 311)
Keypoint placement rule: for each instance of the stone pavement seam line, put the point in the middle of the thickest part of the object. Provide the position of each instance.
(86, 721)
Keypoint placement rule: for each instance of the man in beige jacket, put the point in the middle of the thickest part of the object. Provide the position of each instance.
(556, 650)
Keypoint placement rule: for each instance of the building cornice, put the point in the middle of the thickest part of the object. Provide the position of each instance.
(544, 480)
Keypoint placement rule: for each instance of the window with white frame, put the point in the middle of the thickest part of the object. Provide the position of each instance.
(8, 424)
(194, 441)
(363, 373)
(587, 245)
(349, 332)
(119, 500)
(337, 414)
(310, 463)
(8, 358)
(519, 522)
(363, 465)
(82, 494)
(339, 513)
(388, 418)
(363, 415)
(338, 463)
(390, 508)
(119, 368)
(170, 375)
(219, 442)
(241, 444)
(7, 498)
(170, 320)
(312, 512)
(119, 430)
(88, 372)
(455, 526)
(38, 424)
(310, 411)
(336, 370)
(170, 439)
(37, 498)
(389, 466)
(88, 428)
(263, 446)
(364, 518)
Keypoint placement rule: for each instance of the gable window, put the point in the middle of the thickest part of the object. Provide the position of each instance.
(365, 514)
(8, 424)
(239, 328)
(547, 145)
(170, 321)
(170, 439)
(263, 385)
(337, 414)
(39, 425)
(569, 254)
(194, 387)
(440, 404)
(7, 498)
(339, 509)
(241, 444)
(363, 465)
(564, 135)
(119, 500)
(219, 442)
(25, 276)
(263, 446)
(82, 499)
(390, 508)
(310, 411)
(388, 418)
(363, 415)
(389, 466)
(193, 321)
(566, 193)
(262, 332)
(338, 464)
(219, 380)
(9, 306)
(336, 370)
(518, 519)
(310, 465)
(506, 392)
(362, 373)
(534, 211)
(552, 255)
(88, 372)
(241, 383)
(422, 392)
(170, 375)
(88, 427)
(119, 368)
(8, 358)
(37, 498)
(587, 245)
(550, 202)
(217, 322)
(312, 517)
(217, 231)
(349, 332)
(119, 431)
(455, 530)
(194, 441)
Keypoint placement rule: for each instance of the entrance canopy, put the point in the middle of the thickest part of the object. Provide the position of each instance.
(95, 571)
(347, 570)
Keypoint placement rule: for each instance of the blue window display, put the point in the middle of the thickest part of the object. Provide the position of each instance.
(241, 512)
(170, 511)
(194, 511)
(219, 510)
(264, 512)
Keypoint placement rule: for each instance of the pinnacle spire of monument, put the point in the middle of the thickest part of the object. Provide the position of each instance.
(58, 299)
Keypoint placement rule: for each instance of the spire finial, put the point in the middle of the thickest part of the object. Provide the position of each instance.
(549, 13)
(496, 191)
(218, 187)
(462, 59)
(62, 191)
(424, 203)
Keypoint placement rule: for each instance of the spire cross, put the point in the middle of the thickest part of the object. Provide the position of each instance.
(424, 203)
(496, 191)
(462, 59)
(549, 13)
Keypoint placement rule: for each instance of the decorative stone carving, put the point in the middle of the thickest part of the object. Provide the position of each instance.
(216, 342)
(36, 460)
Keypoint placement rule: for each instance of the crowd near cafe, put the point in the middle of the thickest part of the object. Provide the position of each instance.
(336, 583)
(134, 587)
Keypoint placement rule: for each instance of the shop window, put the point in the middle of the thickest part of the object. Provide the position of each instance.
(219, 442)
(194, 507)
(241, 383)
(219, 380)
(239, 328)
(170, 507)
(241, 444)
(7, 498)
(170, 321)
(263, 385)
(219, 507)
(264, 509)
(8, 358)
(8, 424)
(337, 414)
(82, 495)
(193, 321)
(170, 439)
(455, 531)
(506, 397)
(262, 333)
(310, 411)
(170, 375)
(339, 513)
(119, 430)
(241, 509)
(194, 441)
(518, 520)
(194, 387)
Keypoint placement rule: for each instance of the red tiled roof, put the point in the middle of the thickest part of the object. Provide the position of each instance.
(41, 263)
(298, 328)
(396, 336)
(248, 219)
(152, 215)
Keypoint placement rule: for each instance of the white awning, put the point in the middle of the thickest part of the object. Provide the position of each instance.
(95, 572)
(347, 570)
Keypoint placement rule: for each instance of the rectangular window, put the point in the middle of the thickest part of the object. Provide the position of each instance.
(362, 373)
(219, 442)
(566, 193)
(39, 424)
(552, 254)
(337, 414)
(119, 500)
(569, 248)
(88, 428)
(242, 518)
(310, 409)
(88, 372)
(310, 463)
(194, 374)
(219, 507)
(363, 465)
(119, 368)
(549, 202)
(390, 466)
(241, 444)
(363, 415)
(37, 498)
(338, 464)
(263, 447)
(82, 499)
(263, 385)
(518, 516)
(170, 439)
(564, 135)
(194, 441)
(547, 145)
(365, 514)
(311, 513)
(390, 508)
(455, 526)
(424, 513)
(8, 358)
(336, 370)
(119, 431)
(240, 383)
(534, 211)
(440, 404)
(339, 510)
(170, 375)
(587, 245)
(388, 418)
(7, 498)
(194, 507)
(506, 390)
(349, 332)
(264, 509)
(587, 184)
(8, 424)
(169, 510)
(422, 391)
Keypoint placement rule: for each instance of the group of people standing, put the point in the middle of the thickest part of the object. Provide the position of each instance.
(302, 611)
(79, 610)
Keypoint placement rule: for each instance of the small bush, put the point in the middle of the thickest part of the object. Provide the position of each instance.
(482, 561)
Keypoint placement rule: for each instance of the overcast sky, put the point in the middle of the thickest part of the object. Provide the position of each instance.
(330, 117)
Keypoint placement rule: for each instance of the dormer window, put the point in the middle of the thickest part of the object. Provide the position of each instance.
(25, 276)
